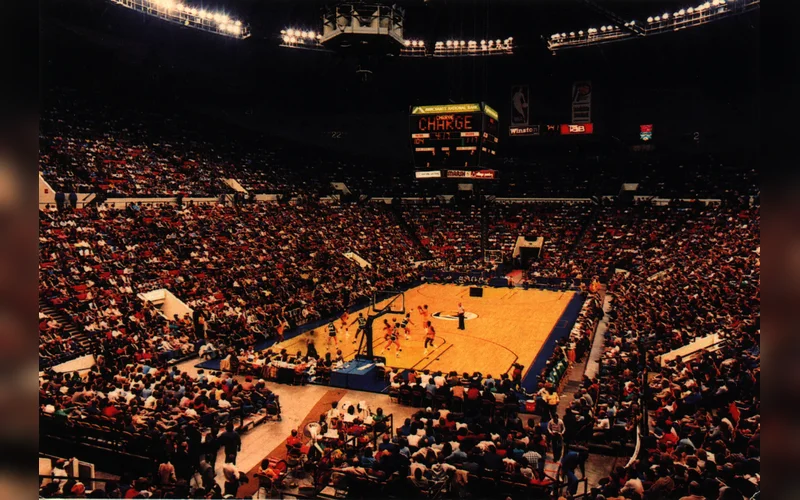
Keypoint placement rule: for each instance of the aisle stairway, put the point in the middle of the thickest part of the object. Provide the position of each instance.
(590, 219)
(77, 334)
(411, 231)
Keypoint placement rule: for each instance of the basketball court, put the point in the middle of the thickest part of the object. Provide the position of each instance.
(503, 327)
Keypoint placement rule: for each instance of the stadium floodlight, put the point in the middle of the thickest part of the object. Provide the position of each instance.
(655, 25)
(184, 14)
(342, 29)
(291, 37)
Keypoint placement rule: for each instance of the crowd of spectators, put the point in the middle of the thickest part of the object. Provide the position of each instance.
(699, 278)
(690, 271)
(242, 270)
(86, 148)
(177, 420)
(452, 232)
(82, 151)
(55, 342)
(467, 438)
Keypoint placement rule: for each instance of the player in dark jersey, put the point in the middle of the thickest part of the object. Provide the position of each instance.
(404, 324)
(392, 338)
(332, 334)
(362, 325)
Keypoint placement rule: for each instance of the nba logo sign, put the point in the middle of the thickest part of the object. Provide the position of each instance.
(520, 110)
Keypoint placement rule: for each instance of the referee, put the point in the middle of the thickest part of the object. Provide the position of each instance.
(460, 316)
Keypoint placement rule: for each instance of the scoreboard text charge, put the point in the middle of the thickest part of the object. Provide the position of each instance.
(453, 135)
(446, 123)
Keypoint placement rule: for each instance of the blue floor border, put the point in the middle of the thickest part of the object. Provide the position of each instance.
(561, 329)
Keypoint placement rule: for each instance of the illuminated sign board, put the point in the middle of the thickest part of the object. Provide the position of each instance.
(472, 174)
(523, 131)
(577, 128)
(446, 108)
(646, 132)
(428, 174)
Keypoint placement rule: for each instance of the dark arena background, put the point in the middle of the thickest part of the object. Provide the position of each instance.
(430, 249)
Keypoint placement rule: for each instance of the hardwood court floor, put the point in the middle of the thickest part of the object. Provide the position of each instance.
(511, 326)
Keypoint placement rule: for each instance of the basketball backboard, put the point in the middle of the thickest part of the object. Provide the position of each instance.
(389, 301)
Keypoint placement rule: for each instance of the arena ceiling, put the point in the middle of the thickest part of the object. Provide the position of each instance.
(104, 50)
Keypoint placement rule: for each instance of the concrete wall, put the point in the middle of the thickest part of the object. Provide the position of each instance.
(169, 303)
(46, 193)
(234, 184)
(77, 364)
(702, 343)
(522, 242)
(357, 259)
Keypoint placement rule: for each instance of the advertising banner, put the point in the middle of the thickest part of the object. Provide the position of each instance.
(577, 128)
(582, 102)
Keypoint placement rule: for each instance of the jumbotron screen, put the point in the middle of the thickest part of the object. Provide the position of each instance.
(456, 136)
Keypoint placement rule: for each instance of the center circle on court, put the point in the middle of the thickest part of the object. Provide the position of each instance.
(453, 316)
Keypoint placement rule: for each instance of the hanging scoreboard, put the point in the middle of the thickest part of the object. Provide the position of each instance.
(457, 136)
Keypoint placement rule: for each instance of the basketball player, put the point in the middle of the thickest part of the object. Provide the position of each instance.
(332, 335)
(387, 333)
(423, 311)
(362, 325)
(394, 333)
(430, 335)
(406, 321)
(387, 329)
(344, 319)
(461, 313)
(282, 328)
